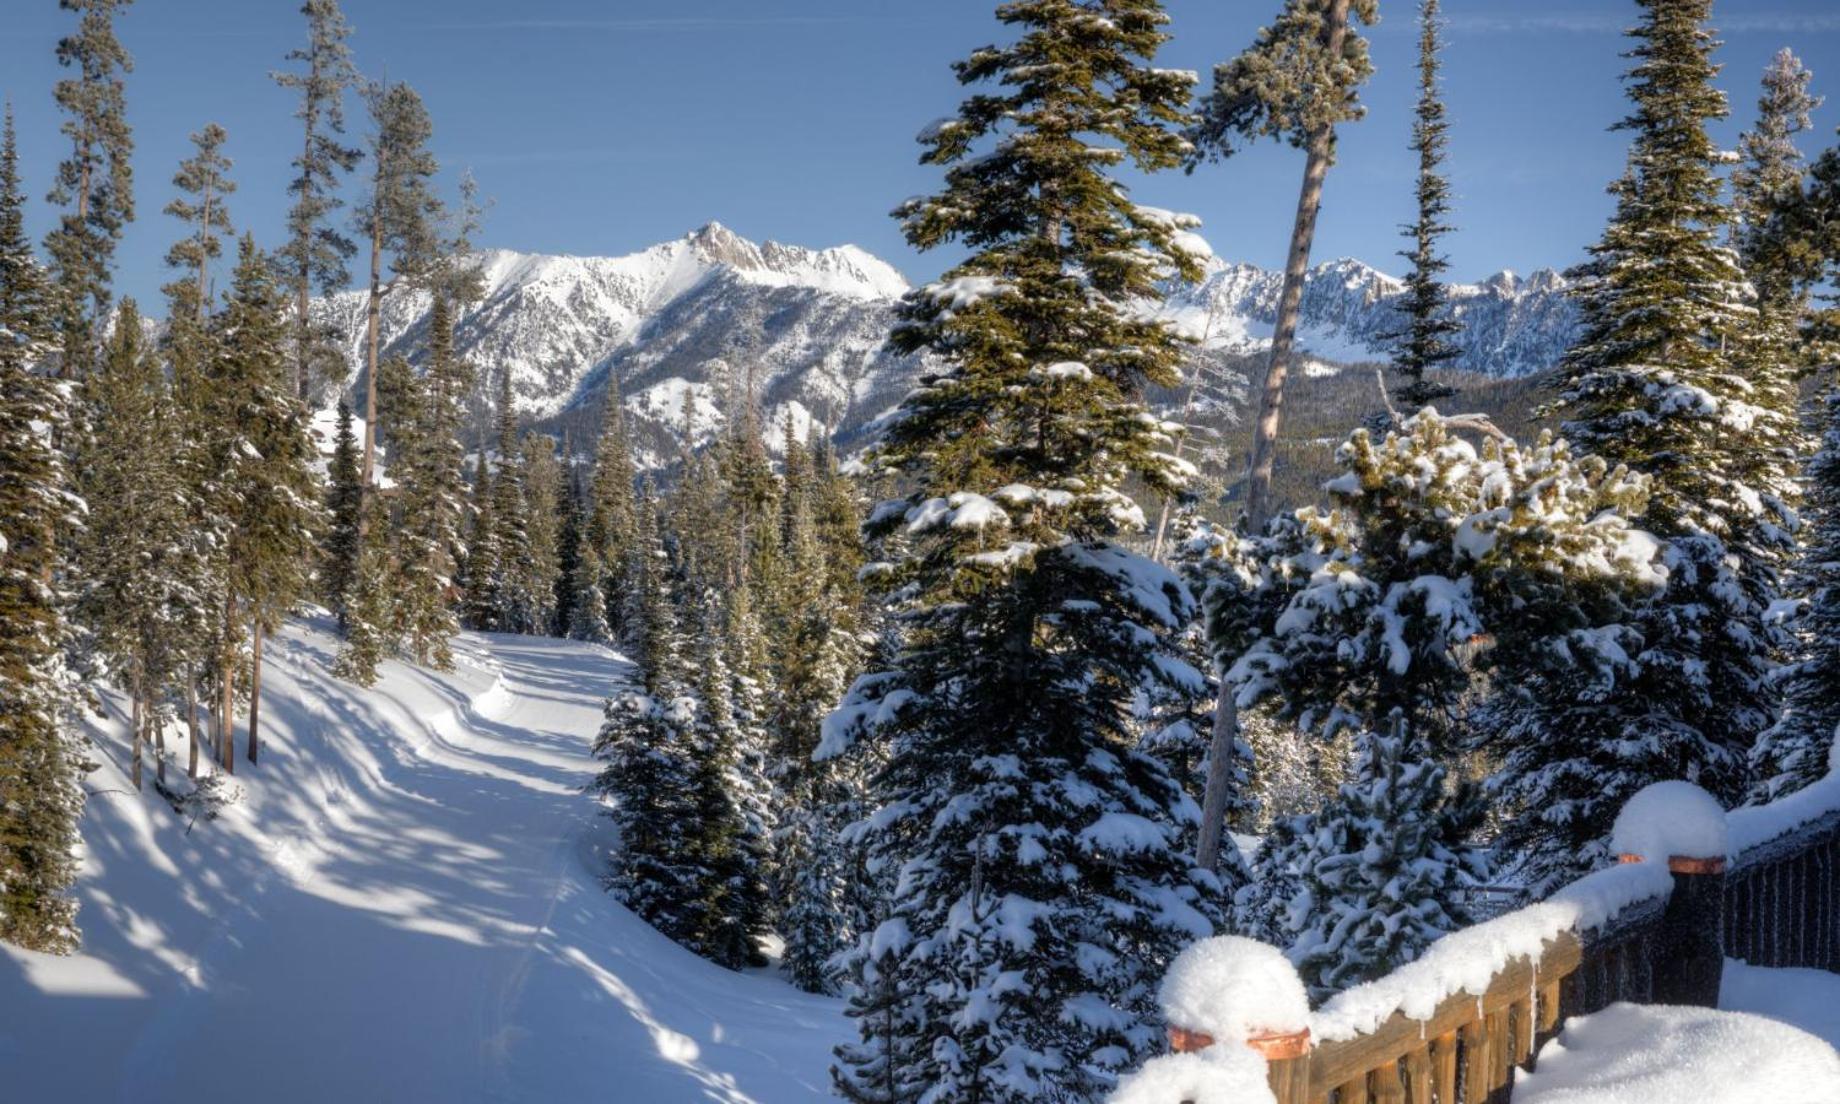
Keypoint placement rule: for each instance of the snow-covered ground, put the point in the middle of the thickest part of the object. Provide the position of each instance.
(1772, 1040)
(405, 905)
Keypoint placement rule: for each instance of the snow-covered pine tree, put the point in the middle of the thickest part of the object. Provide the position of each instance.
(479, 589)
(144, 578)
(317, 254)
(272, 496)
(648, 741)
(609, 526)
(1767, 182)
(40, 765)
(726, 837)
(516, 606)
(1669, 377)
(817, 654)
(432, 475)
(540, 476)
(1423, 341)
(369, 639)
(1797, 749)
(569, 539)
(338, 559)
(95, 184)
(1041, 886)
(1374, 644)
(1381, 868)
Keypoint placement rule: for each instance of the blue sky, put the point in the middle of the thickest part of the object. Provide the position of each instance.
(600, 127)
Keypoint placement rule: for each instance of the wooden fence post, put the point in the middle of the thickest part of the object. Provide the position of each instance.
(1287, 1058)
(1687, 954)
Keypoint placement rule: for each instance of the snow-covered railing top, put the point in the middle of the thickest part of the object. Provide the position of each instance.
(1460, 1018)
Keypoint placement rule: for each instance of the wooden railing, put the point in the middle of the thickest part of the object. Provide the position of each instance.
(1467, 1050)
(1782, 900)
(1777, 905)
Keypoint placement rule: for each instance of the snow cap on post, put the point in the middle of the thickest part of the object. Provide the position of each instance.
(1673, 822)
(1229, 989)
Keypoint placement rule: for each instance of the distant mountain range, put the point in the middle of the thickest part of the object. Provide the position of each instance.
(673, 324)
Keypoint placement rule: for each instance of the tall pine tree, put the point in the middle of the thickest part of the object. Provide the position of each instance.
(1027, 837)
(95, 184)
(317, 254)
(40, 799)
(203, 181)
(1423, 343)
(1670, 378)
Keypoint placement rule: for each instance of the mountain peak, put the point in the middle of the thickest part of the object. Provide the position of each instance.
(717, 244)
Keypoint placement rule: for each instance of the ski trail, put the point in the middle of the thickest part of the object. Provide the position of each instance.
(406, 907)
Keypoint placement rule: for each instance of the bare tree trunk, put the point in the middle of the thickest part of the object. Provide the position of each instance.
(226, 708)
(1290, 304)
(372, 319)
(1265, 433)
(255, 690)
(204, 228)
(134, 722)
(191, 720)
(1219, 779)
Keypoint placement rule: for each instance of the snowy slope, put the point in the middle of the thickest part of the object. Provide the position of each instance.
(404, 906)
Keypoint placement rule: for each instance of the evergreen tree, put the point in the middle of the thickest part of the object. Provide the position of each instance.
(1671, 377)
(541, 565)
(433, 480)
(648, 742)
(608, 527)
(338, 571)
(95, 184)
(271, 497)
(144, 578)
(1379, 865)
(1798, 749)
(1768, 181)
(317, 254)
(516, 606)
(1025, 836)
(569, 542)
(1424, 341)
(203, 181)
(400, 218)
(479, 594)
(40, 798)
(1298, 81)
(368, 639)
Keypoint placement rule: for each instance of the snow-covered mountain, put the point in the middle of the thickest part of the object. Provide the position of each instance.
(672, 323)
(667, 322)
(1512, 326)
